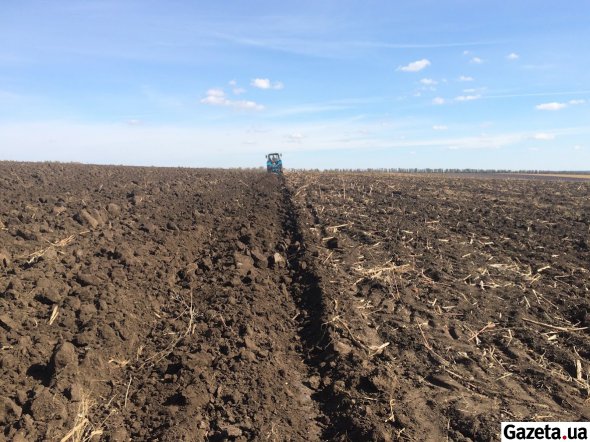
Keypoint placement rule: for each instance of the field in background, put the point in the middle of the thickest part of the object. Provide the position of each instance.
(183, 304)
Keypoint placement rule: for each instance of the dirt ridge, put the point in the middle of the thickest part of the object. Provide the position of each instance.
(321, 356)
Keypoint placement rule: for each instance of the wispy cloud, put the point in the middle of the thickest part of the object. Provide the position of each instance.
(312, 108)
(543, 94)
(217, 97)
(429, 82)
(326, 47)
(265, 83)
(538, 67)
(467, 97)
(513, 56)
(553, 106)
(388, 45)
(476, 60)
(543, 136)
(415, 66)
(465, 78)
(438, 100)
(237, 90)
(295, 137)
(142, 145)
(439, 127)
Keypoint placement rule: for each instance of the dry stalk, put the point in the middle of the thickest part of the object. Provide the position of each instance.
(509, 338)
(579, 371)
(119, 362)
(504, 376)
(190, 329)
(83, 429)
(329, 256)
(377, 349)
(54, 314)
(555, 327)
(391, 417)
(334, 229)
(426, 344)
(127, 392)
(58, 244)
(475, 335)
(381, 273)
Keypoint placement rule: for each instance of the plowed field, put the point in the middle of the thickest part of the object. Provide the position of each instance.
(184, 305)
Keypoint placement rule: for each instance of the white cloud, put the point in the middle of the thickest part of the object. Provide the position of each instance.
(295, 137)
(466, 52)
(428, 82)
(216, 97)
(465, 78)
(223, 145)
(513, 56)
(438, 100)
(574, 102)
(553, 106)
(415, 66)
(246, 104)
(235, 88)
(534, 149)
(265, 83)
(467, 97)
(261, 83)
(577, 147)
(476, 60)
(439, 127)
(542, 136)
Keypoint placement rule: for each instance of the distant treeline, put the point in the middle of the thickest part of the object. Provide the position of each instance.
(428, 170)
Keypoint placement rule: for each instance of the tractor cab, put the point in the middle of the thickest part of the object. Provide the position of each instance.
(274, 164)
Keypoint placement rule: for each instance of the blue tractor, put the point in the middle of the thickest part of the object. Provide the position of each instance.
(274, 164)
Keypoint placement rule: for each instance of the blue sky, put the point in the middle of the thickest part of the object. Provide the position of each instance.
(423, 83)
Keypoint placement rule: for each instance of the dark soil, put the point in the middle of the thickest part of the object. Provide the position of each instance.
(456, 303)
(184, 305)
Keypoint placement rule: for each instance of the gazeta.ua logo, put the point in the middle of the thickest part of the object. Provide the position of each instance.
(574, 431)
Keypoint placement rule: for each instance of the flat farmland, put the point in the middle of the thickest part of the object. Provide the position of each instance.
(176, 304)
(459, 302)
